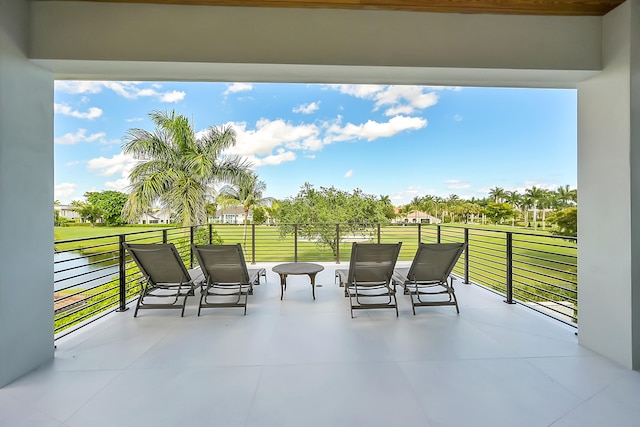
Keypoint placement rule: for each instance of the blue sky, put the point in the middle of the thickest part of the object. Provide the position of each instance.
(400, 141)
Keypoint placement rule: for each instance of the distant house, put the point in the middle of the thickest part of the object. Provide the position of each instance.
(416, 217)
(156, 216)
(67, 212)
(233, 215)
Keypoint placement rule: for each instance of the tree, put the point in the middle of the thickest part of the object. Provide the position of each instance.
(110, 203)
(498, 212)
(497, 194)
(388, 209)
(534, 194)
(89, 212)
(259, 215)
(247, 193)
(317, 211)
(515, 200)
(565, 222)
(178, 168)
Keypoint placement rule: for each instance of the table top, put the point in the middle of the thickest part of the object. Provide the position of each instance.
(297, 268)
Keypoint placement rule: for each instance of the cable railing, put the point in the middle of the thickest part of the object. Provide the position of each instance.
(94, 276)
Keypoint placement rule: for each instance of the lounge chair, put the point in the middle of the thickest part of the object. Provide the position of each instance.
(226, 277)
(165, 276)
(368, 281)
(429, 277)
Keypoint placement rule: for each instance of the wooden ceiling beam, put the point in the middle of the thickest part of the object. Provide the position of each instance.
(514, 7)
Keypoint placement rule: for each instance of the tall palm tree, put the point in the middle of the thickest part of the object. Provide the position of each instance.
(498, 194)
(566, 196)
(246, 193)
(415, 204)
(515, 200)
(535, 195)
(177, 168)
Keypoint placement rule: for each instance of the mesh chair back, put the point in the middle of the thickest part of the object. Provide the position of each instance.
(223, 263)
(373, 262)
(160, 262)
(434, 262)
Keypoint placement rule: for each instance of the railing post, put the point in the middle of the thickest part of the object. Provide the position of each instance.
(295, 242)
(466, 256)
(164, 236)
(439, 233)
(211, 234)
(378, 234)
(337, 243)
(122, 274)
(509, 299)
(253, 243)
(419, 233)
(191, 240)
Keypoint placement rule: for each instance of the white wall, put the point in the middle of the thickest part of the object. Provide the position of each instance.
(273, 44)
(26, 201)
(635, 179)
(607, 251)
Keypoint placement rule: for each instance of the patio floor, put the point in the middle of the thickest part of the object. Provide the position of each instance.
(300, 362)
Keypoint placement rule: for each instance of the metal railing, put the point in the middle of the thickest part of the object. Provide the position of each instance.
(94, 276)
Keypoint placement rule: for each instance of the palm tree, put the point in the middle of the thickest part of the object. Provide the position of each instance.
(566, 196)
(534, 194)
(415, 204)
(515, 200)
(498, 194)
(247, 193)
(178, 168)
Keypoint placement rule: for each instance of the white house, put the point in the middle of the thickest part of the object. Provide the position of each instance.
(67, 212)
(156, 216)
(233, 215)
(416, 217)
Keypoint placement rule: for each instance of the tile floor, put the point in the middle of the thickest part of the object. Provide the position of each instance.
(300, 362)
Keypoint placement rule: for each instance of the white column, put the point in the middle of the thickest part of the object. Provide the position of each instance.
(609, 194)
(26, 201)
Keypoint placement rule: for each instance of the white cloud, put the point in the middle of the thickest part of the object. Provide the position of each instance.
(409, 98)
(79, 136)
(238, 87)
(119, 163)
(77, 162)
(118, 185)
(359, 91)
(307, 108)
(310, 156)
(76, 87)
(128, 90)
(457, 117)
(272, 134)
(64, 190)
(372, 130)
(66, 110)
(456, 184)
(349, 173)
(135, 119)
(404, 196)
(282, 156)
(173, 96)
(398, 99)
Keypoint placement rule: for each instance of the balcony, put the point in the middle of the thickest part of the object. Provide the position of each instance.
(300, 362)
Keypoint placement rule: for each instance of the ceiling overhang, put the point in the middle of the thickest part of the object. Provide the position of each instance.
(514, 7)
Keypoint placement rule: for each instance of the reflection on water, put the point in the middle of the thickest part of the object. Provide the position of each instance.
(72, 269)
